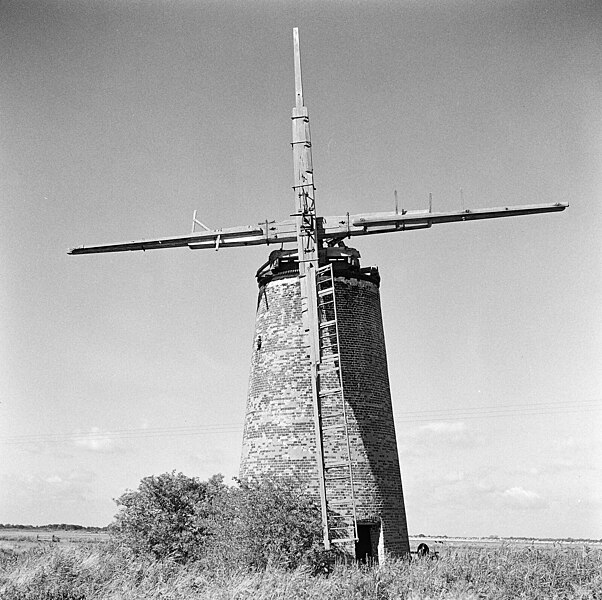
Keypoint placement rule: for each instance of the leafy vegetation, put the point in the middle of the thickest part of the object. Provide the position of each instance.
(164, 516)
(252, 525)
(271, 523)
(81, 572)
(177, 538)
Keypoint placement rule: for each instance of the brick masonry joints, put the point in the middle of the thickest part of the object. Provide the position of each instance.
(279, 436)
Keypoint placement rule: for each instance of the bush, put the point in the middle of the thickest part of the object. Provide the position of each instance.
(162, 517)
(251, 525)
(272, 522)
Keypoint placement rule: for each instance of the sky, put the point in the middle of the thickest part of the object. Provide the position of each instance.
(119, 119)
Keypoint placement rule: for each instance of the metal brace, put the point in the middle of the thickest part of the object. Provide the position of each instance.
(196, 222)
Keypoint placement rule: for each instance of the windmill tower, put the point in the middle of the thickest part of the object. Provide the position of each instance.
(319, 403)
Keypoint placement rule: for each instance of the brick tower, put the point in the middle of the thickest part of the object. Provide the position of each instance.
(279, 434)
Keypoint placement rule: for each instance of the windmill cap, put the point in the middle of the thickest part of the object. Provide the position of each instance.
(345, 261)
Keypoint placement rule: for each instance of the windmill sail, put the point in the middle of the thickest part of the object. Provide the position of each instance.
(332, 230)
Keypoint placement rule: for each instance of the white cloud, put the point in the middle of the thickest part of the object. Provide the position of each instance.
(519, 497)
(59, 497)
(445, 427)
(434, 436)
(95, 440)
(570, 443)
(485, 486)
(563, 464)
(456, 433)
(454, 476)
(82, 476)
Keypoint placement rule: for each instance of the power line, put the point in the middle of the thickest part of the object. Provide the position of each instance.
(495, 415)
(536, 408)
(121, 434)
(416, 416)
(553, 404)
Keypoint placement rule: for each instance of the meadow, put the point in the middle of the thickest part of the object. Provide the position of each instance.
(86, 566)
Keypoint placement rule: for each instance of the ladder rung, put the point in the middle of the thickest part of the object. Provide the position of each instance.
(330, 391)
(338, 477)
(332, 352)
(332, 369)
(334, 416)
(325, 291)
(328, 323)
(343, 540)
(338, 464)
(326, 336)
(333, 426)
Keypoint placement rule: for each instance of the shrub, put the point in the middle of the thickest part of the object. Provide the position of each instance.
(272, 522)
(161, 517)
(250, 525)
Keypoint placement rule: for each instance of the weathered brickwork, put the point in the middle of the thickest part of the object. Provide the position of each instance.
(279, 433)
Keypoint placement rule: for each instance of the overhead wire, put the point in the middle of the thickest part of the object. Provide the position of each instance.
(535, 408)
(415, 416)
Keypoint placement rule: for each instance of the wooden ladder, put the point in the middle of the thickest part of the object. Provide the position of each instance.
(333, 424)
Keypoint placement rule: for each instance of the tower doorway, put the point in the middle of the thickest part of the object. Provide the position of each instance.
(366, 547)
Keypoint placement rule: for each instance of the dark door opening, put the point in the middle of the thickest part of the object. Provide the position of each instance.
(363, 547)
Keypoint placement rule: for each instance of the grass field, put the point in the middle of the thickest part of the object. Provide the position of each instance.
(20, 540)
(83, 565)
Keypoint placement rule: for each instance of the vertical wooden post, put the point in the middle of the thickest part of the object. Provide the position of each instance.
(308, 247)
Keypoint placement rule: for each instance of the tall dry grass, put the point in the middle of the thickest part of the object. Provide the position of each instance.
(78, 572)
